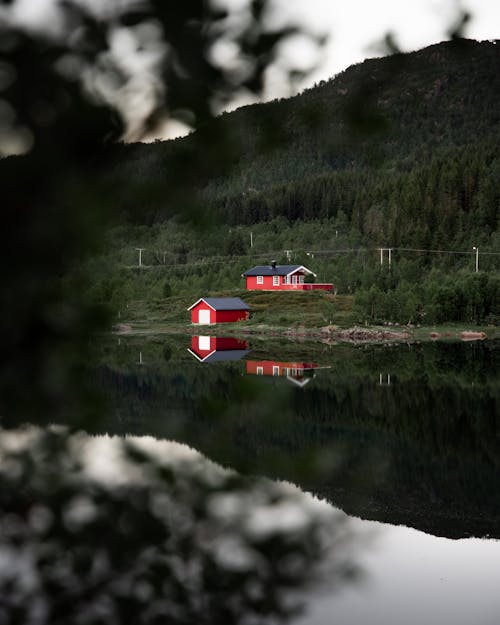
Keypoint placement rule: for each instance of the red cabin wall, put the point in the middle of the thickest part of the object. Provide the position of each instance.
(228, 316)
(267, 285)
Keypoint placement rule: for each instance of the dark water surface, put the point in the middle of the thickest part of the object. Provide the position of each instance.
(393, 452)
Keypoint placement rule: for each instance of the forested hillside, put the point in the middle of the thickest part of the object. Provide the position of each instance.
(406, 147)
(399, 152)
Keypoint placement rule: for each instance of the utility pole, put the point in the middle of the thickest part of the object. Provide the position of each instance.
(477, 258)
(140, 250)
(389, 255)
(251, 239)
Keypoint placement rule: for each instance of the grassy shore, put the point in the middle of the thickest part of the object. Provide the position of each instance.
(312, 315)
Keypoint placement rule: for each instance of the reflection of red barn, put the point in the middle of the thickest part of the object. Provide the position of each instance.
(293, 371)
(208, 310)
(212, 348)
(282, 278)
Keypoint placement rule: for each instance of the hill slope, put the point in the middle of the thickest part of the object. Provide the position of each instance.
(405, 147)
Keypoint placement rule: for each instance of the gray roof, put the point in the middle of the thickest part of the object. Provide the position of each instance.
(269, 270)
(223, 303)
(226, 355)
(221, 355)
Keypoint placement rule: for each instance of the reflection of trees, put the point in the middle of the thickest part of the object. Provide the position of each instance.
(153, 542)
(423, 452)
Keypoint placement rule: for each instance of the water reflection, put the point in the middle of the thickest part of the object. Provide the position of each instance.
(94, 530)
(217, 349)
(211, 349)
(384, 379)
(415, 578)
(299, 373)
(422, 451)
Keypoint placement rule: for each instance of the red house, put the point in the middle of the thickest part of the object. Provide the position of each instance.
(295, 372)
(209, 310)
(217, 349)
(282, 278)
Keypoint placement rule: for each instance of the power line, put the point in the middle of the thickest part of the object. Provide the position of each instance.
(412, 249)
(360, 250)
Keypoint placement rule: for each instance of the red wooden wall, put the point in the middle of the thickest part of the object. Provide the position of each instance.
(251, 283)
(219, 316)
(225, 316)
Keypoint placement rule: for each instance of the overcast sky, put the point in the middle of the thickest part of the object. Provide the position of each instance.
(354, 26)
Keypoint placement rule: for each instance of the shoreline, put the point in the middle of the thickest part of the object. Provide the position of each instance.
(327, 334)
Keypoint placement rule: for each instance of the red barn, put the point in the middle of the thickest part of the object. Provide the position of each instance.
(282, 278)
(209, 310)
(216, 349)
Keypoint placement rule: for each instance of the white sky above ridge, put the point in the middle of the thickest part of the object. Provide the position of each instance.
(356, 26)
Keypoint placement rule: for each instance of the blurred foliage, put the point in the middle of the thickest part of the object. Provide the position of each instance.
(154, 541)
(58, 199)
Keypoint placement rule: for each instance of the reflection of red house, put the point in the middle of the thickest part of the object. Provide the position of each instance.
(208, 310)
(213, 348)
(282, 278)
(293, 371)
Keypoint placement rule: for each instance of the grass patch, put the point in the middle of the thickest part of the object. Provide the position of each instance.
(311, 309)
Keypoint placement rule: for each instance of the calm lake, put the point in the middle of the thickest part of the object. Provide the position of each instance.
(268, 481)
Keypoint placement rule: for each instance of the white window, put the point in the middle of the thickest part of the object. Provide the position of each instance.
(260, 279)
(285, 280)
(276, 370)
(301, 279)
(294, 279)
(276, 280)
(260, 370)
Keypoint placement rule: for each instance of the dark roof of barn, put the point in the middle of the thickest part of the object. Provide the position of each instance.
(226, 355)
(221, 355)
(223, 303)
(269, 270)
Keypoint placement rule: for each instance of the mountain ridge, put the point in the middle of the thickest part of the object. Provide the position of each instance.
(428, 118)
